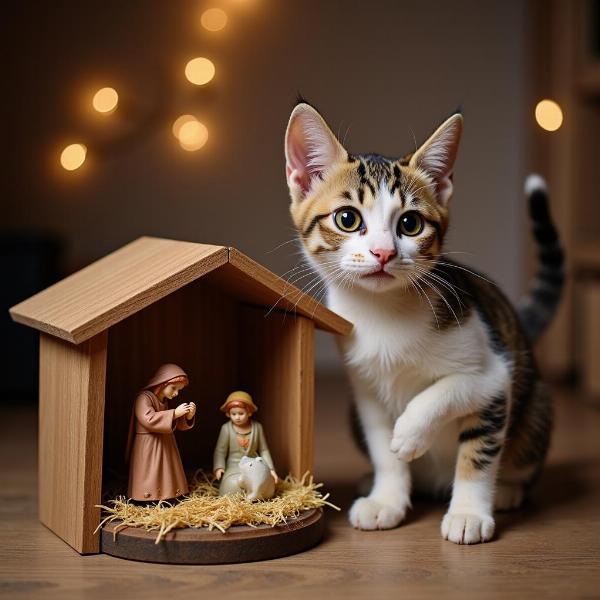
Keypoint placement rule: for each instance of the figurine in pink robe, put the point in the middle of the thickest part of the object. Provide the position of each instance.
(155, 469)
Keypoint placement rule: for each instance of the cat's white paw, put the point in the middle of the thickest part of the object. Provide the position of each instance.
(410, 440)
(368, 513)
(467, 528)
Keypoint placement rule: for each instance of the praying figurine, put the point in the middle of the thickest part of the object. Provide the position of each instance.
(155, 469)
(240, 437)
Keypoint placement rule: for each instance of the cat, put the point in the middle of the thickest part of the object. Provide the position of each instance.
(444, 381)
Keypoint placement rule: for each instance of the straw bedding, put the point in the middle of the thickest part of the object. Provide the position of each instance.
(203, 507)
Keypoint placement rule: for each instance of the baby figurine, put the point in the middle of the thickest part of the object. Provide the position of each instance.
(241, 437)
(256, 479)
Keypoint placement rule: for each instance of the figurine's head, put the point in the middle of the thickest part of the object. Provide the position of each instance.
(172, 388)
(239, 407)
(239, 415)
(168, 380)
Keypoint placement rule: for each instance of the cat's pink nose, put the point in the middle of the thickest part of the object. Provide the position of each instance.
(383, 255)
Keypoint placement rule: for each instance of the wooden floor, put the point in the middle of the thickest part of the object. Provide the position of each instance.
(551, 549)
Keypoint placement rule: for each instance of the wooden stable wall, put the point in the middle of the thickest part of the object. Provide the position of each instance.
(71, 420)
(277, 364)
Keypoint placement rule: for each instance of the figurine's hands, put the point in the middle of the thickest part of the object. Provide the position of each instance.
(192, 412)
(182, 409)
(274, 476)
(219, 474)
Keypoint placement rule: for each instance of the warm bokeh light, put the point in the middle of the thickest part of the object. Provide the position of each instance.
(179, 122)
(199, 71)
(73, 156)
(105, 100)
(548, 115)
(193, 135)
(213, 19)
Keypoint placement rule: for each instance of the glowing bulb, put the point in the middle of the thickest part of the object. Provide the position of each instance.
(213, 19)
(193, 135)
(105, 100)
(179, 122)
(548, 115)
(73, 156)
(199, 71)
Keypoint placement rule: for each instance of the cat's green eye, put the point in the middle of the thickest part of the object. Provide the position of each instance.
(411, 223)
(348, 219)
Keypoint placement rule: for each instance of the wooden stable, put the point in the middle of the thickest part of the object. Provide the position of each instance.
(228, 321)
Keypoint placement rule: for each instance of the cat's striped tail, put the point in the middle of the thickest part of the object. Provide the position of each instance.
(538, 306)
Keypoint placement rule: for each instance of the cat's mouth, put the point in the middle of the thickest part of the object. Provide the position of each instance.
(380, 274)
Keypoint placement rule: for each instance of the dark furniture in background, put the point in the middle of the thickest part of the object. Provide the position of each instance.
(29, 262)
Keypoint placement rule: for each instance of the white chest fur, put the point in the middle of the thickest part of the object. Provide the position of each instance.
(396, 353)
(393, 354)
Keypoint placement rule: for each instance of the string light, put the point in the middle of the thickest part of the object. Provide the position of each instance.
(213, 19)
(179, 122)
(105, 100)
(192, 135)
(199, 71)
(549, 115)
(73, 156)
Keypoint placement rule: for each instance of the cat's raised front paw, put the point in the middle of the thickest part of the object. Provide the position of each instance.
(368, 513)
(467, 529)
(410, 440)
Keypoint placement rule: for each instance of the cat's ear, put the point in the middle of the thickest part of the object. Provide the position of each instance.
(311, 149)
(437, 155)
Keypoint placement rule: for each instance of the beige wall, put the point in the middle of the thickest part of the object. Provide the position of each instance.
(379, 70)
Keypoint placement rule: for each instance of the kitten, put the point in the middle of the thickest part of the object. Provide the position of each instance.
(445, 384)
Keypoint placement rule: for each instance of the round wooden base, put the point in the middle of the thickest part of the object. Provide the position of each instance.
(202, 547)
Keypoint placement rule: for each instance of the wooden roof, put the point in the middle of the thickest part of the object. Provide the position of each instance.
(148, 269)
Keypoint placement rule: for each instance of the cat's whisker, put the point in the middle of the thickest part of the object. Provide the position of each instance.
(416, 282)
(292, 285)
(349, 279)
(281, 245)
(413, 286)
(325, 282)
(454, 266)
(446, 284)
(321, 291)
(437, 291)
(346, 134)
(293, 288)
(305, 263)
(299, 275)
(335, 277)
(319, 298)
(455, 252)
(294, 271)
(303, 268)
(317, 277)
(300, 265)
(412, 131)
(306, 289)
